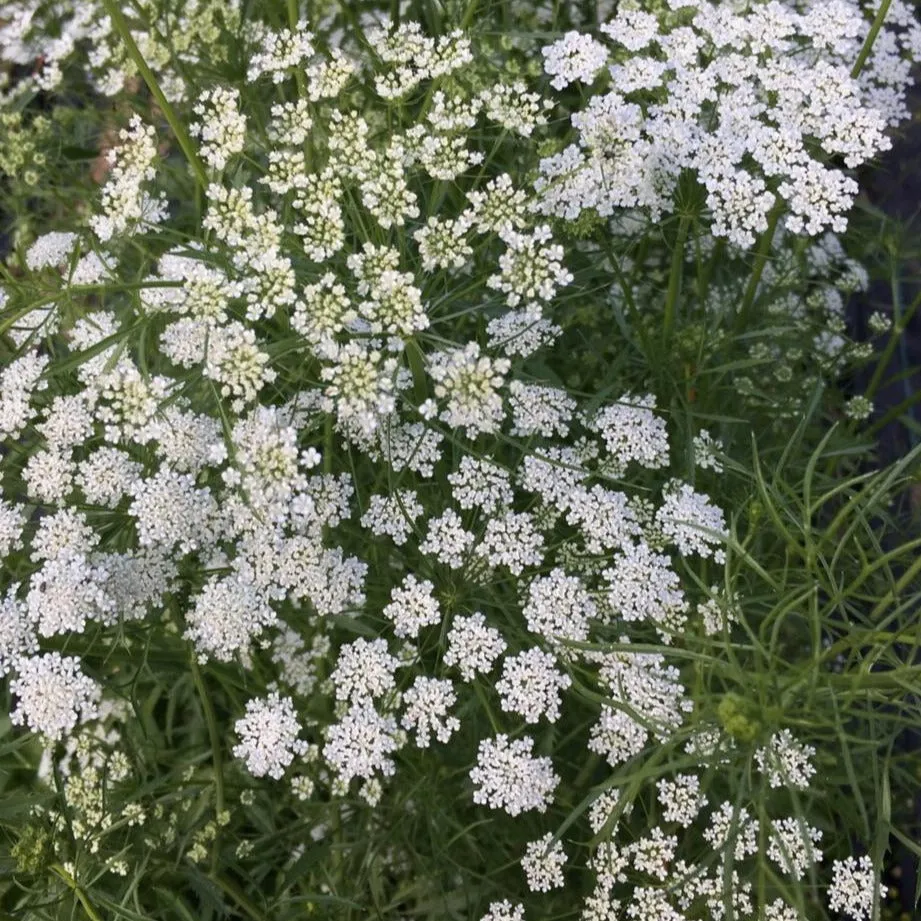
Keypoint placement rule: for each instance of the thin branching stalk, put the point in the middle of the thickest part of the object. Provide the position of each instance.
(761, 258)
(896, 337)
(77, 890)
(870, 40)
(169, 113)
(674, 276)
(213, 734)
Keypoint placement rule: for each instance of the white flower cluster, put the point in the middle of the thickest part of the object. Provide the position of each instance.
(280, 52)
(446, 540)
(543, 864)
(222, 128)
(575, 57)
(60, 42)
(689, 520)
(742, 122)
(427, 703)
(530, 685)
(633, 433)
(316, 375)
(54, 695)
(473, 645)
(785, 762)
(531, 268)
(50, 249)
(393, 515)
(17, 633)
(470, 383)
(480, 484)
(361, 743)
(852, 888)
(558, 607)
(364, 671)
(644, 587)
(793, 846)
(412, 607)
(269, 736)
(19, 380)
(126, 205)
(504, 911)
(509, 777)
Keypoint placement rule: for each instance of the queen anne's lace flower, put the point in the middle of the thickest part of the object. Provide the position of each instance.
(793, 846)
(17, 633)
(268, 736)
(222, 128)
(125, 203)
(511, 540)
(427, 703)
(447, 540)
(50, 249)
(543, 864)
(361, 743)
(509, 777)
(470, 383)
(785, 762)
(226, 616)
(851, 891)
(413, 606)
(633, 433)
(728, 105)
(54, 695)
(317, 442)
(558, 606)
(531, 268)
(364, 671)
(689, 520)
(473, 646)
(504, 911)
(574, 57)
(530, 685)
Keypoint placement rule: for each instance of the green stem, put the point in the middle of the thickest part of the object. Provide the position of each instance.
(871, 38)
(328, 444)
(77, 891)
(182, 136)
(714, 260)
(900, 321)
(294, 18)
(911, 573)
(469, 14)
(416, 359)
(211, 722)
(761, 257)
(674, 276)
(239, 897)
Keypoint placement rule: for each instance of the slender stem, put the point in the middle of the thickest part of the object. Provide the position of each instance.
(704, 279)
(328, 444)
(761, 257)
(911, 573)
(871, 38)
(77, 891)
(469, 14)
(182, 136)
(239, 897)
(294, 19)
(674, 276)
(416, 359)
(901, 319)
(211, 722)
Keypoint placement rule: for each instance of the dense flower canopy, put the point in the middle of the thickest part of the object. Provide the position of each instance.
(294, 421)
